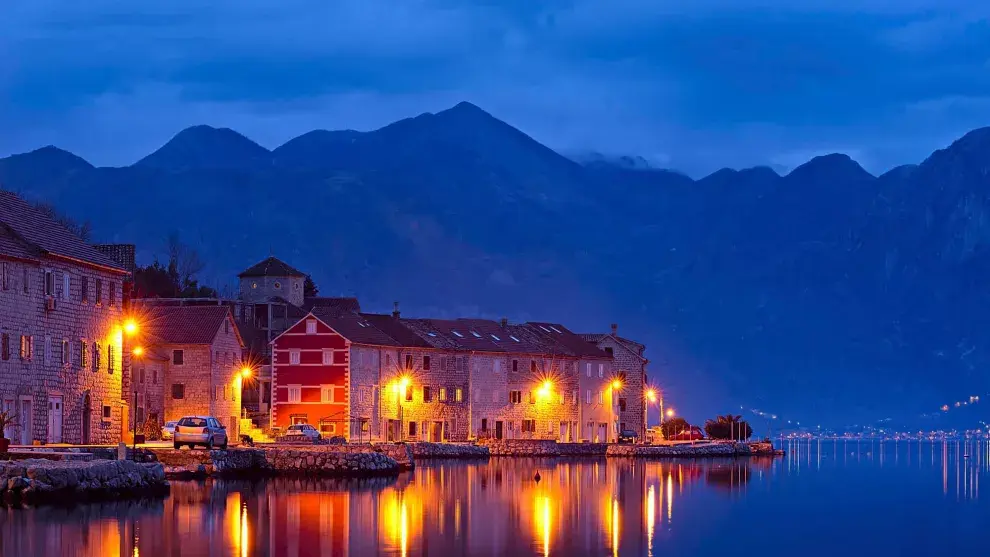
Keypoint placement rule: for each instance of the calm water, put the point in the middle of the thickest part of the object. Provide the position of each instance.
(828, 499)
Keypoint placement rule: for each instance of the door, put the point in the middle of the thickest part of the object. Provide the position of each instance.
(87, 419)
(436, 435)
(563, 432)
(8, 406)
(26, 421)
(498, 430)
(54, 419)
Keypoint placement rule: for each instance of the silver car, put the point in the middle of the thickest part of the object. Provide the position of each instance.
(199, 430)
(168, 429)
(302, 432)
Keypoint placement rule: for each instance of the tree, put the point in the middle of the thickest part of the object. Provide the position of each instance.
(310, 290)
(728, 427)
(183, 260)
(674, 426)
(155, 281)
(84, 230)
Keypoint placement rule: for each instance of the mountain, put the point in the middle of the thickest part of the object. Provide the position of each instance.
(826, 292)
(205, 147)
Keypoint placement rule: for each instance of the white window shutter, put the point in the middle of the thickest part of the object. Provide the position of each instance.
(65, 285)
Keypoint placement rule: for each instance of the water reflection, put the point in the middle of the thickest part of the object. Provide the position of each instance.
(581, 507)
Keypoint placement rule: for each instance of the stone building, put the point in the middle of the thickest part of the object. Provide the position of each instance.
(630, 366)
(384, 377)
(190, 366)
(61, 331)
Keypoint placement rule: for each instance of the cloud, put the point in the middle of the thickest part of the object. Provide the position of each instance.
(707, 83)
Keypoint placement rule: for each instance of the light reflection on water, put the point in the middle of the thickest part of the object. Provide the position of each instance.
(580, 507)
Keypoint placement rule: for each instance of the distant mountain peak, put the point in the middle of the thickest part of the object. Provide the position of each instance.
(834, 166)
(203, 146)
(626, 162)
(52, 154)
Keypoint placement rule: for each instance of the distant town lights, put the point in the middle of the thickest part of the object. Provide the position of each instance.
(670, 412)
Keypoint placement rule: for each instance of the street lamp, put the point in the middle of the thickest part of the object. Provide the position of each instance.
(614, 386)
(399, 386)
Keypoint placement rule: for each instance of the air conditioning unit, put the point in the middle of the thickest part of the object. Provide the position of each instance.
(50, 303)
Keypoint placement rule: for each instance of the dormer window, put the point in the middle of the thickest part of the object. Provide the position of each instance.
(310, 326)
(476, 335)
(458, 335)
(495, 337)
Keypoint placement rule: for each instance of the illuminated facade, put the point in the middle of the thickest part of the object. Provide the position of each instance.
(190, 365)
(382, 377)
(61, 337)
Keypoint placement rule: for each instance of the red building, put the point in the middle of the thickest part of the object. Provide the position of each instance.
(309, 377)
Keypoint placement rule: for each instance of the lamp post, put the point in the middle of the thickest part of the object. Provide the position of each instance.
(614, 387)
(130, 329)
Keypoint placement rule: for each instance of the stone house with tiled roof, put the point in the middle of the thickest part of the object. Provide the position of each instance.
(190, 366)
(392, 378)
(630, 363)
(61, 340)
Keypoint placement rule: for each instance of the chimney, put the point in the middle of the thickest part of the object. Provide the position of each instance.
(615, 329)
(395, 310)
(504, 322)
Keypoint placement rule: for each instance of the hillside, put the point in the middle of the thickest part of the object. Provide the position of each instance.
(824, 292)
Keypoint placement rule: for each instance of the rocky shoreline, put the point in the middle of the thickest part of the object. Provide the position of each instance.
(42, 479)
(294, 460)
(529, 448)
(426, 451)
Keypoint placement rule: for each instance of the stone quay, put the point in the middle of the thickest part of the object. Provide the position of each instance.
(32, 480)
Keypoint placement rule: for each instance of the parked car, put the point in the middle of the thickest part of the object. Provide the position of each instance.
(168, 429)
(302, 432)
(694, 434)
(627, 436)
(199, 430)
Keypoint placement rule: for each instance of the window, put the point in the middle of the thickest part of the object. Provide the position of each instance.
(458, 395)
(141, 376)
(574, 396)
(49, 283)
(154, 377)
(484, 424)
(96, 356)
(178, 357)
(65, 352)
(515, 365)
(560, 397)
(426, 362)
(178, 391)
(409, 395)
(476, 335)
(326, 393)
(27, 347)
(388, 360)
(46, 351)
(215, 393)
(513, 337)
(412, 429)
(456, 334)
(327, 357)
(556, 330)
(110, 362)
(226, 391)
(587, 396)
(529, 426)
(601, 397)
(515, 397)
(107, 412)
(408, 361)
(111, 299)
(5, 348)
(477, 395)
(84, 289)
(608, 350)
(532, 366)
(532, 397)
(5, 275)
(427, 394)
(27, 284)
(66, 282)
(311, 326)
(294, 357)
(495, 337)
(587, 367)
(622, 405)
(442, 394)
(601, 370)
(295, 393)
(494, 396)
(497, 368)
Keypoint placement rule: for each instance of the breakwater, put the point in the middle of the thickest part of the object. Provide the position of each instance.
(34, 479)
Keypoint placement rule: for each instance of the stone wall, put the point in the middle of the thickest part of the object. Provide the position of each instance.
(597, 417)
(448, 450)
(522, 447)
(34, 479)
(28, 385)
(630, 363)
(262, 289)
(685, 450)
(582, 449)
(325, 460)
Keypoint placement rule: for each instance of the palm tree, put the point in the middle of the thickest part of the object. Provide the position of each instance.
(728, 427)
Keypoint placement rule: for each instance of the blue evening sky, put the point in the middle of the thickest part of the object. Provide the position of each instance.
(688, 84)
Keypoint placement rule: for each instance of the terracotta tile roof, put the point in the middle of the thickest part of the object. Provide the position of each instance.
(354, 327)
(271, 267)
(38, 230)
(397, 330)
(481, 335)
(185, 324)
(568, 342)
(343, 305)
(630, 345)
(12, 246)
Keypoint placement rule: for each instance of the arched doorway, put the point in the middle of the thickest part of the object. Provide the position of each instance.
(87, 419)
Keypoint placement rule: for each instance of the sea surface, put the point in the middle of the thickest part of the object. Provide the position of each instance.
(828, 498)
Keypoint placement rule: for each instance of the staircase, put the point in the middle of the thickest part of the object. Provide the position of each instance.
(248, 428)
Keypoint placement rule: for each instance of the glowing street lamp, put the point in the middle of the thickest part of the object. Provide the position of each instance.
(246, 372)
(138, 351)
(130, 327)
(545, 389)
